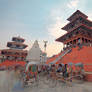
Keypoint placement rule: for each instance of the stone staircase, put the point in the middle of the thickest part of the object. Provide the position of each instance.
(60, 56)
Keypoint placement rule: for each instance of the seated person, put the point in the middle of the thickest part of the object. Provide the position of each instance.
(59, 68)
(82, 72)
(65, 71)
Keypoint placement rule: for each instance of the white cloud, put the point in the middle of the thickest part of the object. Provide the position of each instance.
(57, 22)
(54, 29)
(73, 4)
(90, 16)
(54, 32)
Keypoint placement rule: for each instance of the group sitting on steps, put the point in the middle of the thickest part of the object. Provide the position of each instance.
(66, 71)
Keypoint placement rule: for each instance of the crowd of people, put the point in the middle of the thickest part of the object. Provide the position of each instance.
(65, 70)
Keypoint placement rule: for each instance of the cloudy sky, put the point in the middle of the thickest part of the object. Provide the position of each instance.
(38, 20)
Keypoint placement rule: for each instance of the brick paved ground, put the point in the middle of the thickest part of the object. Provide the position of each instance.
(8, 81)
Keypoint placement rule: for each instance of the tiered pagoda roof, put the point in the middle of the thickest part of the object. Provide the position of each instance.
(15, 51)
(19, 39)
(77, 14)
(78, 25)
(16, 45)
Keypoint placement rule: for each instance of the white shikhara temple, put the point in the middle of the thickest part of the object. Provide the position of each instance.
(36, 54)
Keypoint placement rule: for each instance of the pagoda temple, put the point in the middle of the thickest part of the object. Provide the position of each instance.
(79, 30)
(15, 51)
(77, 43)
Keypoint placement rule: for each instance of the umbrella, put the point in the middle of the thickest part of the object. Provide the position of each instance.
(79, 64)
(46, 64)
(31, 63)
(70, 63)
(61, 64)
(2, 67)
(51, 63)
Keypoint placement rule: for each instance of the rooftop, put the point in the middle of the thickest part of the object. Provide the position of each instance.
(77, 13)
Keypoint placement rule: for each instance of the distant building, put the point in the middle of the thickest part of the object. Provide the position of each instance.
(36, 54)
(15, 51)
